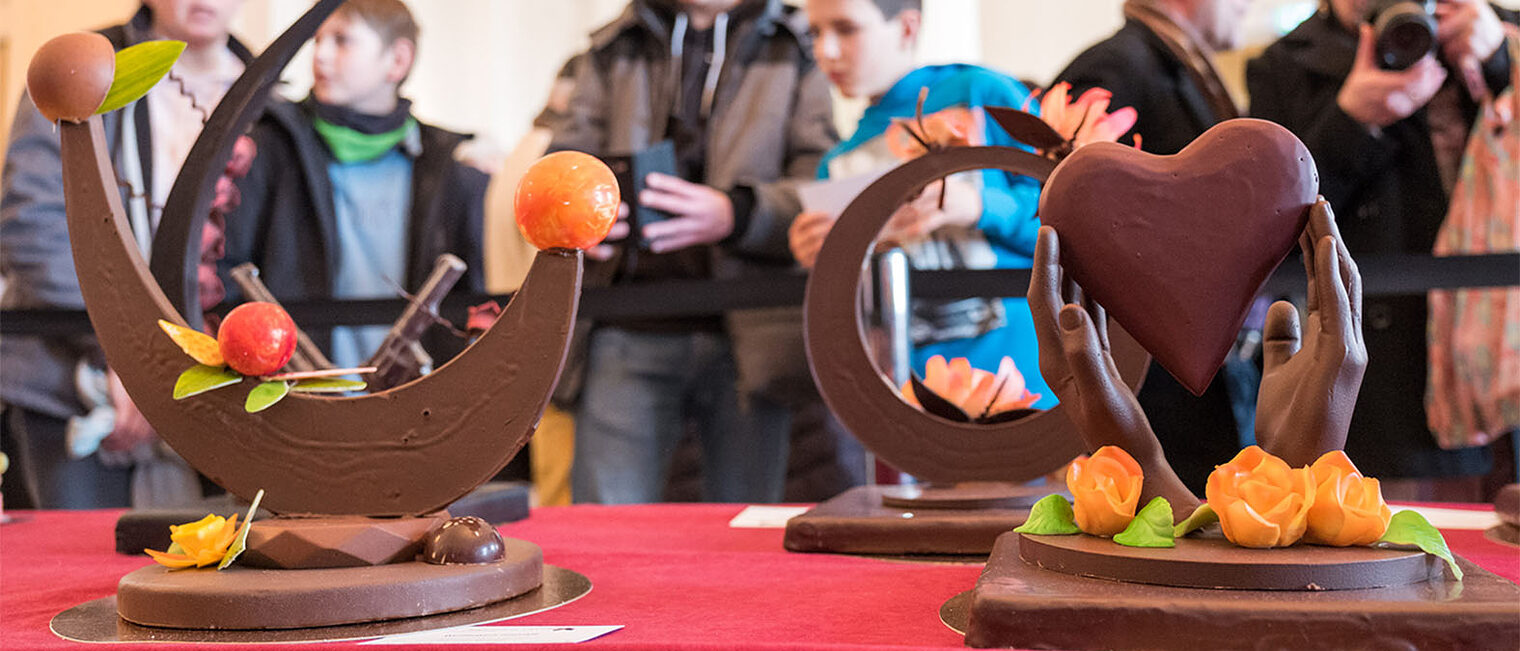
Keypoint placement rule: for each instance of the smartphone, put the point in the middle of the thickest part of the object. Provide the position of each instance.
(657, 158)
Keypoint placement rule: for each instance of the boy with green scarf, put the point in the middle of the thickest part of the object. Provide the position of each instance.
(350, 196)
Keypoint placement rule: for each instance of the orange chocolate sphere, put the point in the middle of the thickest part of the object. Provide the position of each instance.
(567, 200)
(70, 75)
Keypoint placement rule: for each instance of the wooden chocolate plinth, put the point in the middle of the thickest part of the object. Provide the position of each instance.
(1018, 604)
(856, 522)
(249, 598)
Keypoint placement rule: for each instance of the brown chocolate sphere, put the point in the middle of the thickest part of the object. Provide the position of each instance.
(463, 540)
(70, 75)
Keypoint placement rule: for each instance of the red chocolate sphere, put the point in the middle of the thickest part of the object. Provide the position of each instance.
(70, 75)
(567, 200)
(257, 338)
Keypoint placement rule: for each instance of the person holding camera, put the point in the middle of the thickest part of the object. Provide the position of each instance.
(1384, 93)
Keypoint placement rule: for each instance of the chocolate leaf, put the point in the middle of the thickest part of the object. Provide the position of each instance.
(264, 395)
(1005, 416)
(1410, 529)
(138, 69)
(240, 542)
(327, 385)
(200, 378)
(1202, 516)
(1152, 527)
(936, 404)
(1051, 516)
(1026, 127)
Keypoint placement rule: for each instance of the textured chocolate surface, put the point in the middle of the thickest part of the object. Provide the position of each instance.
(248, 598)
(856, 522)
(1016, 604)
(925, 446)
(1213, 562)
(70, 75)
(1176, 247)
(300, 543)
(409, 450)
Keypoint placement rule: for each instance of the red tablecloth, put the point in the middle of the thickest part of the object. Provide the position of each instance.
(676, 576)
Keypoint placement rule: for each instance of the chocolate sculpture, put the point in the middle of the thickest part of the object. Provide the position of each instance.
(1045, 591)
(871, 519)
(333, 463)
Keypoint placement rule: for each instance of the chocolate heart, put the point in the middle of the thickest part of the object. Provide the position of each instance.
(1176, 247)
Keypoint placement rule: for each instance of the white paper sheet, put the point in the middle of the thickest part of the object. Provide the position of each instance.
(486, 634)
(756, 516)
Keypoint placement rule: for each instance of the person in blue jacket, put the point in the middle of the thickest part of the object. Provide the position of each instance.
(975, 220)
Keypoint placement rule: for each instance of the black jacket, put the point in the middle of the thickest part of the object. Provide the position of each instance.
(1141, 72)
(1196, 432)
(287, 225)
(1388, 199)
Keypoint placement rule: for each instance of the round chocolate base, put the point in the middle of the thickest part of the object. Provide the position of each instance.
(1504, 534)
(250, 598)
(963, 495)
(1217, 563)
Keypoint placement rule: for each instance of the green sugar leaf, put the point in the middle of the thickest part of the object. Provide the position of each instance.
(266, 394)
(1051, 516)
(138, 69)
(241, 541)
(1152, 527)
(200, 378)
(1202, 516)
(1410, 529)
(327, 385)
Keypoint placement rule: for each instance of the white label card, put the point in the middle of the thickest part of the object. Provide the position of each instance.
(486, 634)
(756, 516)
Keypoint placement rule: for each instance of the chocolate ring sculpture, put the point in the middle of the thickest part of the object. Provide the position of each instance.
(926, 446)
(410, 450)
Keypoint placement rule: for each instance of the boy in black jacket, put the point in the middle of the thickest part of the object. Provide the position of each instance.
(350, 196)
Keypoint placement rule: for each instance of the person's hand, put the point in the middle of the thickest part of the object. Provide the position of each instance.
(806, 234)
(703, 215)
(1377, 97)
(1311, 375)
(1469, 32)
(131, 428)
(1077, 365)
(915, 220)
(617, 233)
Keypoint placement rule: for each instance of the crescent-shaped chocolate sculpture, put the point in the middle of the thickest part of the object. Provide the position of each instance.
(409, 450)
(917, 443)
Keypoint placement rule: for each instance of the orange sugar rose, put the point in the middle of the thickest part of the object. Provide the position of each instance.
(1348, 508)
(1261, 502)
(204, 541)
(1105, 489)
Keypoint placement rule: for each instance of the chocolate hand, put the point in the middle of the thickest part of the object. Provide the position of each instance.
(1076, 363)
(1311, 376)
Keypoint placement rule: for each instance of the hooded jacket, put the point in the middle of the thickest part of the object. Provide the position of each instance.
(287, 224)
(770, 124)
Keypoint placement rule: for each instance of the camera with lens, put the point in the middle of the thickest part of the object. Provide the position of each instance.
(1405, 31)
